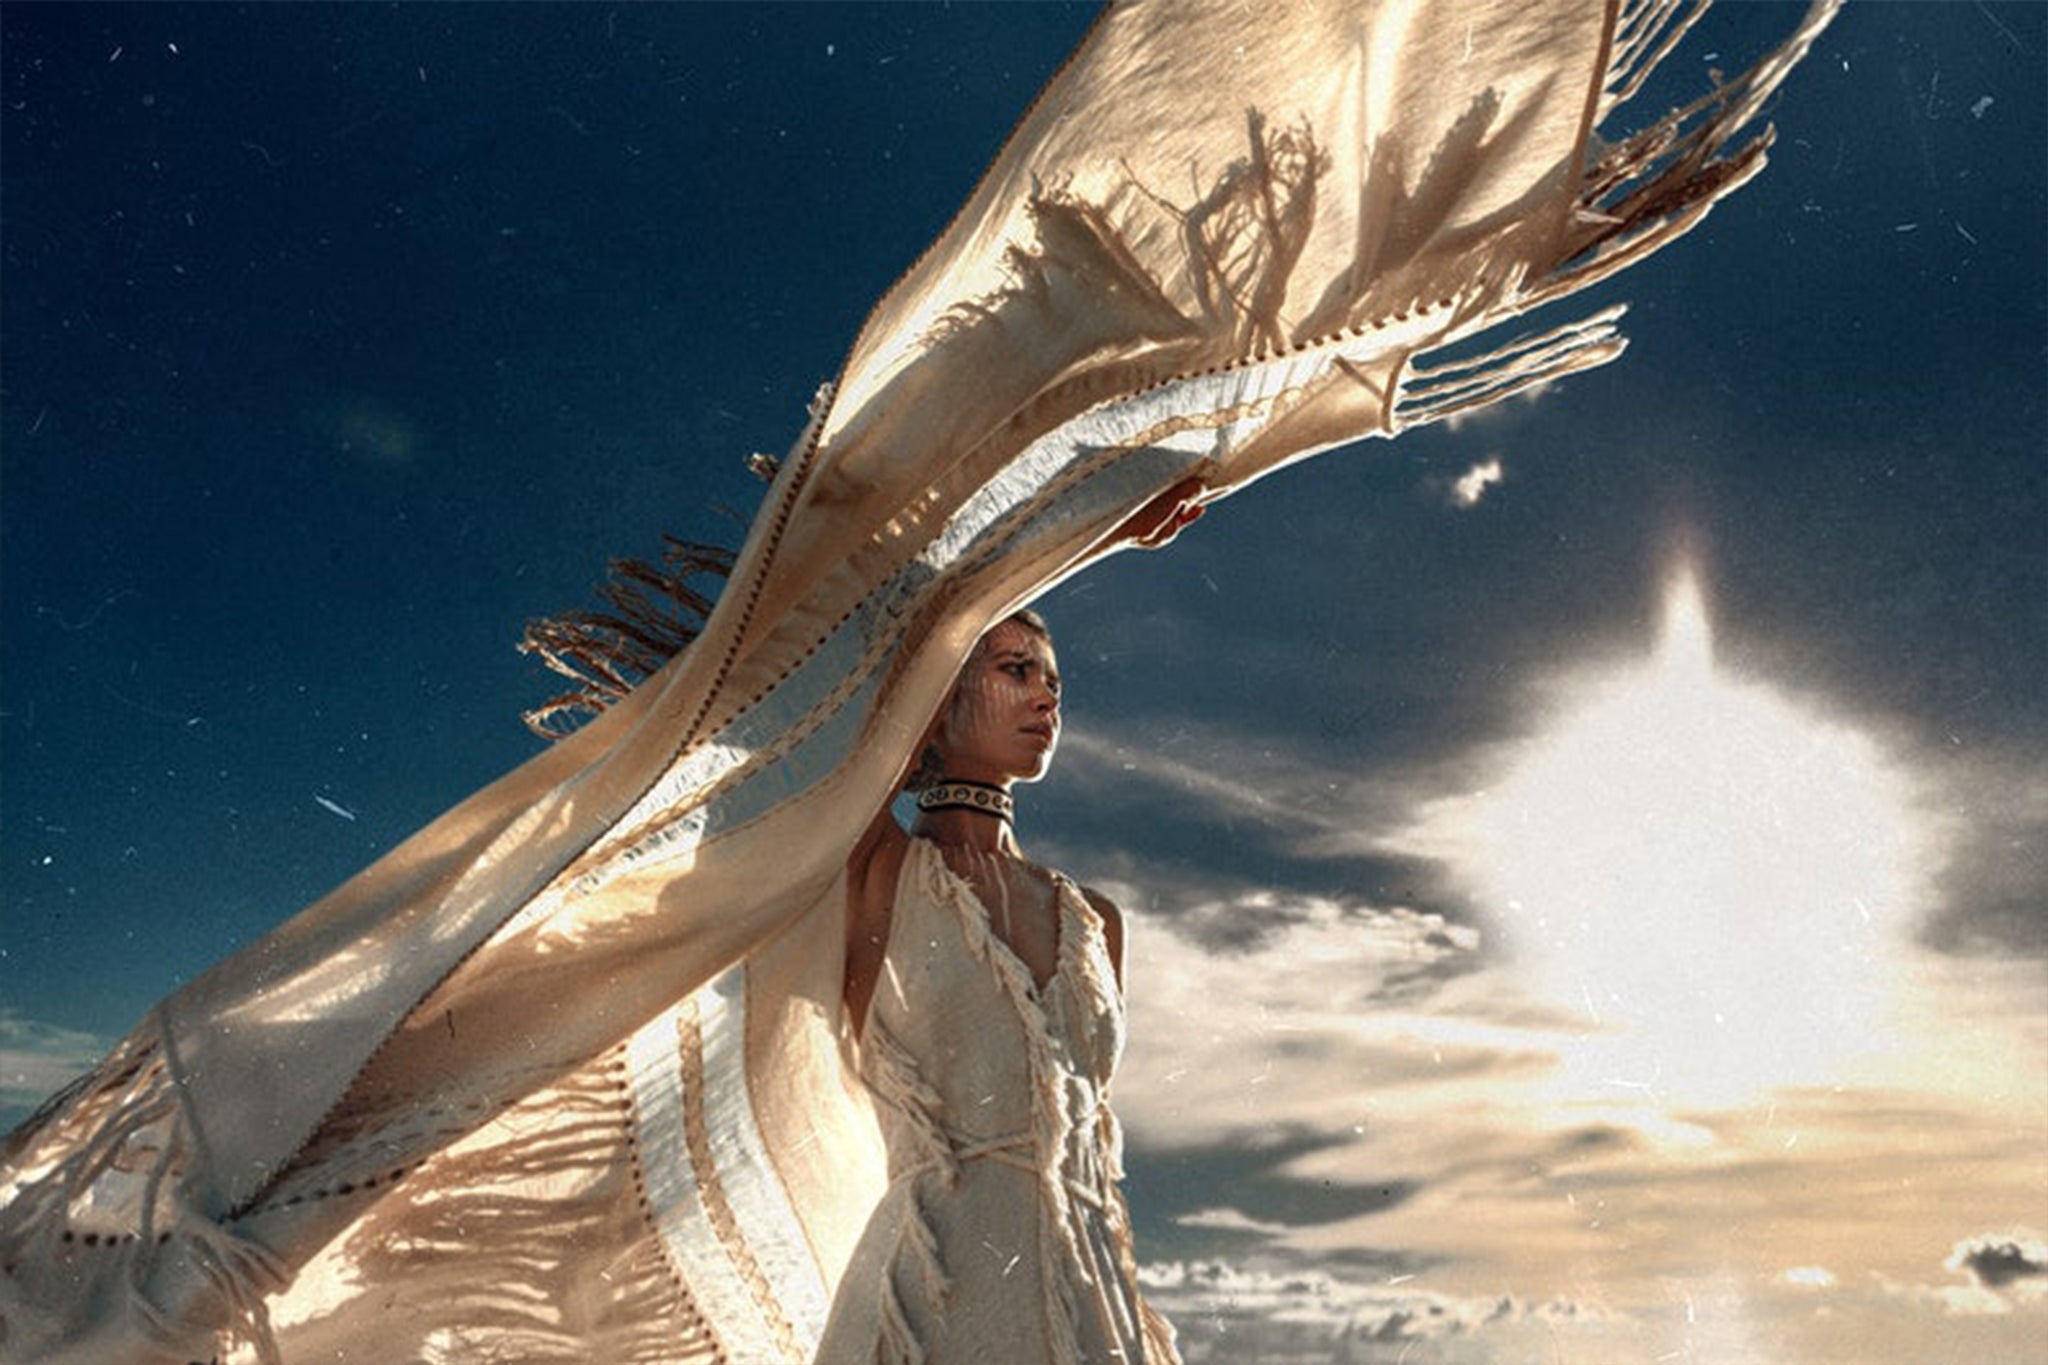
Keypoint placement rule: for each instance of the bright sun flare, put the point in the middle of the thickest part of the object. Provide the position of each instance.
(1715, 877)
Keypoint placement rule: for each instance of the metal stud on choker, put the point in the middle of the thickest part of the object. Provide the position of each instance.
(968, 796)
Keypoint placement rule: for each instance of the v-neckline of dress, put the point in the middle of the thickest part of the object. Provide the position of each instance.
(1038, 991)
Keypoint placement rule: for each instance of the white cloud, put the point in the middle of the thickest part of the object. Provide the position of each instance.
(1229, 1220)
(1972, 1301)
(1283, 1030)
(1196, 1289)
(1949, 1300)
(1244, 1314)
(1471, 486)
(36, 1060)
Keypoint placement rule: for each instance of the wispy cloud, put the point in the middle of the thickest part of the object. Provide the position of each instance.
(1232, 1311)
(1227, 774)
(1266, 1010)
(37, 1059)
(1991, 894)
(1210, 1288)
(1218, 795)
(1319, 1085)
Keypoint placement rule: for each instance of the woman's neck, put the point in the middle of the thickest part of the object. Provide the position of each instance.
(953, 827)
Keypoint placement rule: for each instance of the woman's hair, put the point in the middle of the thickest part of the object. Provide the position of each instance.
(930, 769)
(1026, 618)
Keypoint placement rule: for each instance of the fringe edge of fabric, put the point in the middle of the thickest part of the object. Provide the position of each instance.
(130, 1107)
(656, 611)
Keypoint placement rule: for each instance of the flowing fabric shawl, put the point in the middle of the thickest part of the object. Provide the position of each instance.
(561, 1077)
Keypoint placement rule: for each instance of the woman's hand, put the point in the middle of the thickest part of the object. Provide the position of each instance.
(1163, 518)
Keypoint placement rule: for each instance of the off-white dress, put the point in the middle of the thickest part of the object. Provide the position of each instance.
(1002, 1236)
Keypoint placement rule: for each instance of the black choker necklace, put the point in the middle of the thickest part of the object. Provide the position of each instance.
(972, 796)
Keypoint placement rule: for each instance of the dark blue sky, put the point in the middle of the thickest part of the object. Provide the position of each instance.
(340, 340)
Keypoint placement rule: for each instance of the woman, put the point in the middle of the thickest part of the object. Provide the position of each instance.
(986, 994)
(560, 1078)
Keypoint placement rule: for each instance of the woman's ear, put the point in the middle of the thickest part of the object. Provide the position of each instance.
(930, 739)
(928, 770)
(929, 765)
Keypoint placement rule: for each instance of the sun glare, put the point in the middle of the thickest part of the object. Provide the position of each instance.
(1714, 876)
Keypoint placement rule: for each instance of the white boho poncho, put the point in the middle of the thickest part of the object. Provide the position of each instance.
(561, 1077)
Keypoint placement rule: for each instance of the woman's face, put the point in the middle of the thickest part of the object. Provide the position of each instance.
(1004, 717)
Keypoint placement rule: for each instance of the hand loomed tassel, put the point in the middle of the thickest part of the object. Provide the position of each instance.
(656, 612)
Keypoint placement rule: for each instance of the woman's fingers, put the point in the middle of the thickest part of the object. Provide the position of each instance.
(1163, 518)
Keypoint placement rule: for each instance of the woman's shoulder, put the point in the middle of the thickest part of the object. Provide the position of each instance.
(1099, 903)
(876, 864)
(1112, 925)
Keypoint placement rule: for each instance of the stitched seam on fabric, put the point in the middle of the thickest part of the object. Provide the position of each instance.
(829, 706)
(685, 1302)
(762, 1208)
(1018, 518)
(681, 1219)
(821, 714)
(717, 682)
(712, 1190)
(778, 527)
(1077, 472)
